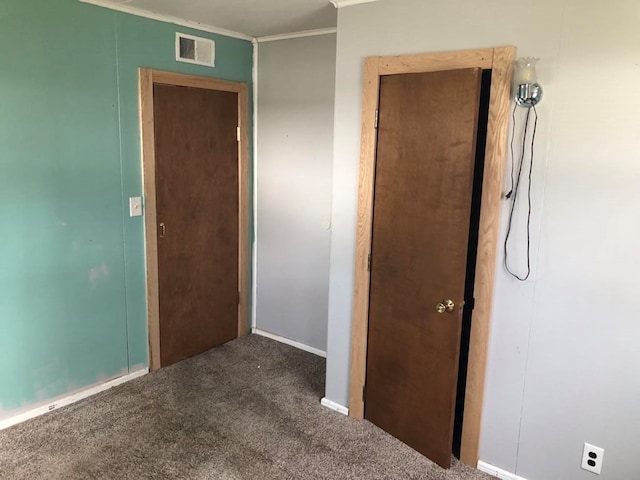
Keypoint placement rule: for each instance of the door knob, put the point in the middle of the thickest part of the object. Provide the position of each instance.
(163, 230)
(445, 306)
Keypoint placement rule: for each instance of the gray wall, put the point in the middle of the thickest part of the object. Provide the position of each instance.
(563, 366)
(294, 172)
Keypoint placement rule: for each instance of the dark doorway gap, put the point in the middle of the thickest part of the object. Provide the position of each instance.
(481, 144)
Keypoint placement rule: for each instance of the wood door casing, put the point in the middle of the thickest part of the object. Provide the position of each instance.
(423, 185)
(500, 61)
(197, 202)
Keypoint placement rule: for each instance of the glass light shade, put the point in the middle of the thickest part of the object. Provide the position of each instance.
(525, 71)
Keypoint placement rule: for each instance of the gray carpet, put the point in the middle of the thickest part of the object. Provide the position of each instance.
(247, 410)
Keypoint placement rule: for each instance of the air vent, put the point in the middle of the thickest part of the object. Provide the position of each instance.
(190, 49)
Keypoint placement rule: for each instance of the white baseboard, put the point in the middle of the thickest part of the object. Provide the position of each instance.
(287, 341)
(336, 407)
(497, 472)
(63, 402)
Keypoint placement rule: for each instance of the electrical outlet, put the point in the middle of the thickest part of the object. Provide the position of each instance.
(592, 458)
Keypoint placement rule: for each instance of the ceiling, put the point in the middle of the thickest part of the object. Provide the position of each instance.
(256, 18)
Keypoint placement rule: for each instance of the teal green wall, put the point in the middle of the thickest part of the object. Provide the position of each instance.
(72, 274)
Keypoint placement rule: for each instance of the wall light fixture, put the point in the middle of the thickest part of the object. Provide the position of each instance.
(527, 91)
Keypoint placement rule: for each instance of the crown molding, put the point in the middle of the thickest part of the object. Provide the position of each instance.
(168, 19)
(304, 33)
(348, 3)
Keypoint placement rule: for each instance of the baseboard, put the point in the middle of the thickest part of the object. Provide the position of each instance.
(63, 402)
(497, 472)
(336, 407)
(287, 341)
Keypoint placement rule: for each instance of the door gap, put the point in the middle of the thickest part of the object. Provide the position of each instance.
(481, 144)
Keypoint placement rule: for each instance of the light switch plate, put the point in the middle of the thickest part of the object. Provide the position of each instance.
(135, 206)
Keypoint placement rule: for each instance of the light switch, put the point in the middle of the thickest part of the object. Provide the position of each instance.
(135, 206)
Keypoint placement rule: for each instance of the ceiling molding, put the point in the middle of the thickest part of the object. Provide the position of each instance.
(348, 3)
(305, 33)
(169, 19)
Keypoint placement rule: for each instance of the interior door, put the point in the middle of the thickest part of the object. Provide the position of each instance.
(197, 214)
(423, 189)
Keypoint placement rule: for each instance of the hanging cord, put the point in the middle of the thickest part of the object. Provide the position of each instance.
(517, 188)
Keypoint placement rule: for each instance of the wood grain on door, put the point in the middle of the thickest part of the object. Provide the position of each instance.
(197, 212)
(422, 199)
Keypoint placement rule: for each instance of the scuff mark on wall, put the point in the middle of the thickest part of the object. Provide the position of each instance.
(97, 273)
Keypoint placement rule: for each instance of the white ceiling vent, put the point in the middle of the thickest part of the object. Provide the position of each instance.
(198, 50)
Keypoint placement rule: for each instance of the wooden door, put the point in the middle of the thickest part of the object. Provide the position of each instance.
(197, 214)
(423, 187)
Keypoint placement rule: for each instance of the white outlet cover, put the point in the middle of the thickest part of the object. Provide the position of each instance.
(135, 206)
(599, 457)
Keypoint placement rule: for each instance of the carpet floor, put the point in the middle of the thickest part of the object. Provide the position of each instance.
(247, 410)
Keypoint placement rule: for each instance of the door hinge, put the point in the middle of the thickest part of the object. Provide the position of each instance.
(375, 123)
(238, 134)
(364, 393)
(369, 263)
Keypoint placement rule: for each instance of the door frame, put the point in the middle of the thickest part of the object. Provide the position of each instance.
(147, 79)
(500, 61)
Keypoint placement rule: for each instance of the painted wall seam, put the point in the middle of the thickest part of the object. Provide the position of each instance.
(122, 206)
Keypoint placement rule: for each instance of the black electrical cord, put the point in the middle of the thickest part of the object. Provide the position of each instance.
(516, 189)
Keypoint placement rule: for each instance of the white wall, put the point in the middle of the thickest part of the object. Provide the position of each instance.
(565, 345)
(295, 151)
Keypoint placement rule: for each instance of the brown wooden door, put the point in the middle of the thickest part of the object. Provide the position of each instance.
(423, 189)
(197, 214)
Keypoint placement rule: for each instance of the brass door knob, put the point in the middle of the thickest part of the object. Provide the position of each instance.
(445, 306)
